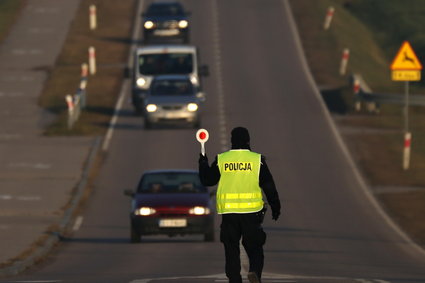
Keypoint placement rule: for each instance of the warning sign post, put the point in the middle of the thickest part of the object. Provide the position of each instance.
(406, 67)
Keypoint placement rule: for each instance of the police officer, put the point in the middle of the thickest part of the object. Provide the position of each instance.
(241, 174)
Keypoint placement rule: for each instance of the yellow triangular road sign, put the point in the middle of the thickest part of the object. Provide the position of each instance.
(406, 59)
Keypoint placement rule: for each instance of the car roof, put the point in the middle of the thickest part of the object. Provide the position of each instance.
(170, 171)
(165, 48)
(166, 3)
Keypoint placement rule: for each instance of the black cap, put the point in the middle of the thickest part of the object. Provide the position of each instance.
(240, 137)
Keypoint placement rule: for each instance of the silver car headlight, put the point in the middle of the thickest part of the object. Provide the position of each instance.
(183, 24)
(194, 79)
(148, 25)
(151, 107)
(192, 107)
(141, 82)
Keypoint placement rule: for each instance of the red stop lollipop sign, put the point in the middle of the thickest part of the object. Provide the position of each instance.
(202, 137)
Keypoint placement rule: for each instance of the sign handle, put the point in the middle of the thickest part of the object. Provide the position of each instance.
(203, 148)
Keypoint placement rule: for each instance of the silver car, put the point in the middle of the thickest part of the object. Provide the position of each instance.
(173, 99)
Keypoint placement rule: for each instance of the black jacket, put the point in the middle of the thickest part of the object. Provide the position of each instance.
(210, 176)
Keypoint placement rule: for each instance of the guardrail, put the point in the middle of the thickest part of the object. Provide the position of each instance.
(373, 100)
(77, 102)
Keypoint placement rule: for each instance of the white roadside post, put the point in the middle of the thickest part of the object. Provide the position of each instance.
(92, 60)
(202, 136)
(328, 18)
(70, 103)
(83, 85)
(84, 70)
(93, 17)
(344, 61)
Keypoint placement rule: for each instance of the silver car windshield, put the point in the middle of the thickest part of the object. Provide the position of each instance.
(165, 10)
(166, 63)
(171, 88)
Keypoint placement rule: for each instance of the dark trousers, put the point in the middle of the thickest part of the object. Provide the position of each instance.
(248, 227)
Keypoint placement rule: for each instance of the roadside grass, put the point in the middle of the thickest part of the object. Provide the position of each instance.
(112, 40)
(375, 140)
(9, 10)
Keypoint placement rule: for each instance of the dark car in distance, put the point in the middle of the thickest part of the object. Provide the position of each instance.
(171, 202)
(165, 20)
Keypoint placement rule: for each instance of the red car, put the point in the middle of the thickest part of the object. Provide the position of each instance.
(171, 202)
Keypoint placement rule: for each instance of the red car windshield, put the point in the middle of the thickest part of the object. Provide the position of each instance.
(171, 182)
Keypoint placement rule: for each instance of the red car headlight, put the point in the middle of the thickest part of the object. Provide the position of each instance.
(145, 211)
(199, 210)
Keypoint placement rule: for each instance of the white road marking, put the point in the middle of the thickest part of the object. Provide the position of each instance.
(44, 10)
(20, 198)
(11, 94)
(8, 136)
(6, 197)
(41, 166)
(125, 85)
(22, 52)
(29, 198)
(78, 223)
(24, 78)
(40, 30)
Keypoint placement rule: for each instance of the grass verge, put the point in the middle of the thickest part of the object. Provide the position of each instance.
(112, 40)
(9, 11)
(375, 140)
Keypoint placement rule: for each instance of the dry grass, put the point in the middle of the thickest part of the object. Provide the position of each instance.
(9, 11)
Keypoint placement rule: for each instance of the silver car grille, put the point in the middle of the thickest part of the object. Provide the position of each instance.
(172, 107)
(168, 24)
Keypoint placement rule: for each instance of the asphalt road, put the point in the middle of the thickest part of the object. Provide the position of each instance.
(330, 231)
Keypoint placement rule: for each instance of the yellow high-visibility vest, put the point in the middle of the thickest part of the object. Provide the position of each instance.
(239, 190)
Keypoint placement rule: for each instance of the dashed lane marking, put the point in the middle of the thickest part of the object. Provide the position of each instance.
(20, 198)
(38, 165)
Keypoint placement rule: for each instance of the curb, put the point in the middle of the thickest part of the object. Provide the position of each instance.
(55, 237)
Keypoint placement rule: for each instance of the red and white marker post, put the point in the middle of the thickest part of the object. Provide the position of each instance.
(69, 102)
(328, 18)
(92, 60)
(406, 151)
(356, 90)
(202, 136)
(84, 70)
(344, 61)
(93, 17)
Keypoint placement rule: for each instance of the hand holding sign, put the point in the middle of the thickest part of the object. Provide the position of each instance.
(202, 137)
